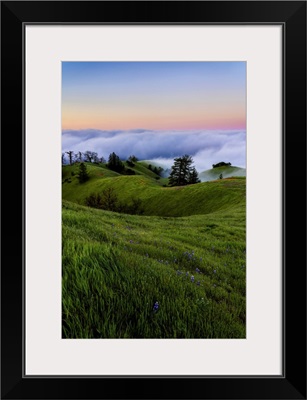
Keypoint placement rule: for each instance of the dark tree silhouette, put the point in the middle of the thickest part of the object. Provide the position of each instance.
(114, 163)
(182, 171)
(90, 156)
(70, 156)
(193, 178)
(133, 158)
(83, 174)
(221, 164)
(78, 157)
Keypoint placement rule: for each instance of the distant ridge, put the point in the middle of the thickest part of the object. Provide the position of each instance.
(226, 171)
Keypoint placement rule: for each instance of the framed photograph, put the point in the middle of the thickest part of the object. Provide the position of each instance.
(163, 254)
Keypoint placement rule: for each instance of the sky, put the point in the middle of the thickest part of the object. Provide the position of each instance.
(155, 109)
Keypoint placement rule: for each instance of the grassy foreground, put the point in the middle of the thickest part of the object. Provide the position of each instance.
(116, 266)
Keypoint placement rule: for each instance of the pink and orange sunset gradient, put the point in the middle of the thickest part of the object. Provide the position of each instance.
(154, 95)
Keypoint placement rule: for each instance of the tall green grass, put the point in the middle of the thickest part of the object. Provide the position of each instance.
(116, 266)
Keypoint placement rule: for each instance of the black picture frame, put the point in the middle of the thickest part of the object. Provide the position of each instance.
(292, 16)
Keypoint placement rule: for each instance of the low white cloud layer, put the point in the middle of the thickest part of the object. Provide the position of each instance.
(205, 147)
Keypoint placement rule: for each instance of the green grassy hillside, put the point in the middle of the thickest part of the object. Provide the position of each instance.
(227, 171)
(187, 253)
(201, 198)
(116, 266)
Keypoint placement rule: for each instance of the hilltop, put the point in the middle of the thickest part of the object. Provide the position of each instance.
(201, 198)
(226, 171)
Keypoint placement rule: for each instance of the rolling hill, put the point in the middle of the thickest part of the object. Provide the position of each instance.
(226, 171)
(178, 271)
(202, 198)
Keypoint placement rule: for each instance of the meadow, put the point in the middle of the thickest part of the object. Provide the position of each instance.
(177, 271)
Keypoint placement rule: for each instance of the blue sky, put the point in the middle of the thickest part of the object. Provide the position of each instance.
(153, 95)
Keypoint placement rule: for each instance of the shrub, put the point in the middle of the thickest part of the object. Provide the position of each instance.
(108, 200)
(94, 200)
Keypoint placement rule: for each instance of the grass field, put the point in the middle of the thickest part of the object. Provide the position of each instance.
(187, 252)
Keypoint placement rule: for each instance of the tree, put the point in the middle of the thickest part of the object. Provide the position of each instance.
(221, 176)
(96, 159)
(182, 171)
(63, 158)
(90, 156)
(221, 164)
(131, 160)
(114, 163)
(70, 155)
(78, 157)
(83, 174)
(193, 178)
(160, 171)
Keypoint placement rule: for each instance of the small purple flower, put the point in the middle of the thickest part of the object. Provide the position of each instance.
(197, 270)
(198, 283)
(214, 271)
(156, 307)
(187, 274)
(192, 278)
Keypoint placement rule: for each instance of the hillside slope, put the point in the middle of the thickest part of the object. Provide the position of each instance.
(116, 266)
(226, 171)
(202, 198)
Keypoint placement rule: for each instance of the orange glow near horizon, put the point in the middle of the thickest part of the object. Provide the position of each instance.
(156, 96)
